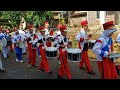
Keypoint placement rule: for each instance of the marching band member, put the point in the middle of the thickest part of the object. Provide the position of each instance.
(118, 38)
(21, 31)
(61, 42)
(8, 34)
(46, 28)
(18, 40)
(38, 34)
(55, 35)
(47, 33)
(30, 36)
(5, 49)
(83, 38)
(103, 48)
(118, 41)
(1, 67)
(41, 43)
(58, 30)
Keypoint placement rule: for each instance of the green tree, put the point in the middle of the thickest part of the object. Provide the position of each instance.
(35, 17)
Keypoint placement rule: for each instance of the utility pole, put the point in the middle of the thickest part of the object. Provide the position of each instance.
(102, 17)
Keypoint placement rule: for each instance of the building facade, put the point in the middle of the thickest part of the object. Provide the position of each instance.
(93, 17)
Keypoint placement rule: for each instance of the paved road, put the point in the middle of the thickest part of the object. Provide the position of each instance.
(16, 70)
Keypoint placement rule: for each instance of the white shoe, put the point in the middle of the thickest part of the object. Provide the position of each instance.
(16, 60)
(39, 55)
(2, 69)
(20, 61)
(29, 65)
(59, 62)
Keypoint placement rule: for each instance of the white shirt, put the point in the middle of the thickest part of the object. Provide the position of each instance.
(46, 32)
(81, 34)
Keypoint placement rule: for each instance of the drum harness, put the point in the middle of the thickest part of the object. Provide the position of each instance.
(43, 39)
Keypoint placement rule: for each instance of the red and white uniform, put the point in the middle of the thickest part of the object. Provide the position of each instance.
(83, 45)
(31, 52)
(102, 47)
(41, 43)
(62, 40)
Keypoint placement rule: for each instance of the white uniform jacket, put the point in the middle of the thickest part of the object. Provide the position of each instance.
(102, 46)
(81, 36)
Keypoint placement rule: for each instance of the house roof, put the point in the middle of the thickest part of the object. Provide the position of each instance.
(78, 14)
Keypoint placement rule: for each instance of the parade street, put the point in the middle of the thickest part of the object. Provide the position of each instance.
(16, 70)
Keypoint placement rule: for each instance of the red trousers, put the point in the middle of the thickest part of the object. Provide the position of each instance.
(107, 69)
(85, 60)
(64, 68)
(11, 48)
(44, 63)
(31, 55)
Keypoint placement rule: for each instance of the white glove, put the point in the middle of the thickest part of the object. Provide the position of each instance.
(44, 47)
(63, 50)
(30, 41)
(38, 44)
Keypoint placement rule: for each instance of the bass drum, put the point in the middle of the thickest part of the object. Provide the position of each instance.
(4, 42)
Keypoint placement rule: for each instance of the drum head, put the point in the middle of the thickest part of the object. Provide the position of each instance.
(4, 42)
(74, 50)
(92, 41)
(51, 49)
(117, 55)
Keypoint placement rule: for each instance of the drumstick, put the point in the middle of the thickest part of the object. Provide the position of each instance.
(96, 31)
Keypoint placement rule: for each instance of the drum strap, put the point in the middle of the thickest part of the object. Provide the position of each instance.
(109, 43)
(43, 39)
(64, 39)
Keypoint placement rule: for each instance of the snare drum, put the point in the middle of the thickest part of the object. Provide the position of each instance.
(74, 54)
(114, 56)
(51, 52)
(91, 43)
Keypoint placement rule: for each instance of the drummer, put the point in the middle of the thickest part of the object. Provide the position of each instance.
(31, 51)
(103, 48)
(83, 38)
(61, 42)
(41, 43)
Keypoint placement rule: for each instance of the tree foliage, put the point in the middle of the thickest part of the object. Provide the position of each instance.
(35, 17)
